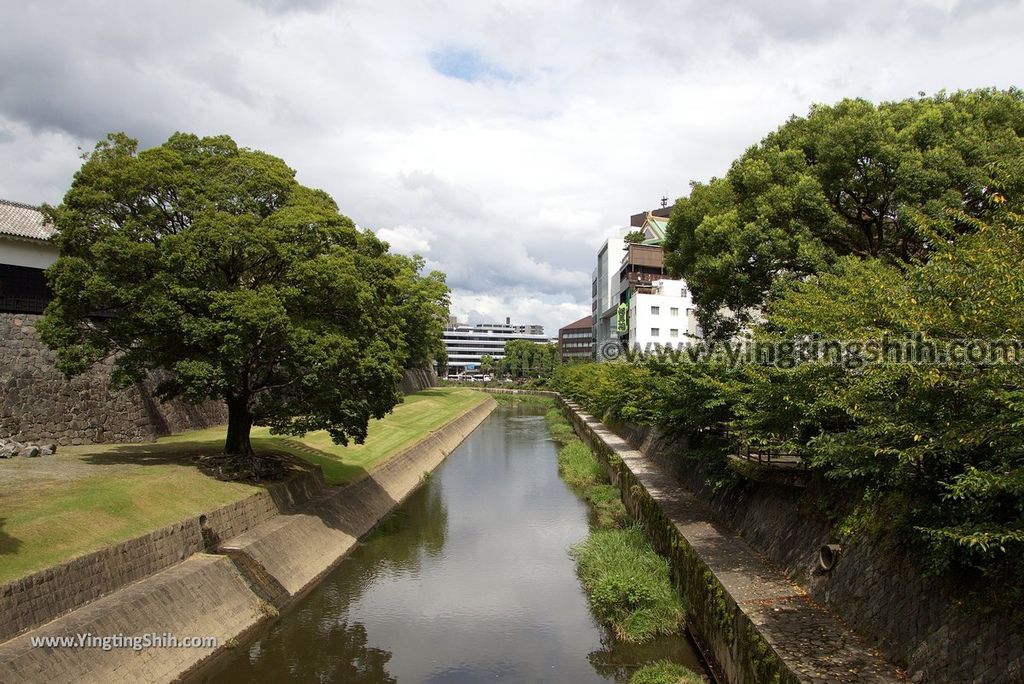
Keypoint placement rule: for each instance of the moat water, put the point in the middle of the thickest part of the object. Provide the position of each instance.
(468, 581)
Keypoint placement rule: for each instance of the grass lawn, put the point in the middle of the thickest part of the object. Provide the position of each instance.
(56, 507)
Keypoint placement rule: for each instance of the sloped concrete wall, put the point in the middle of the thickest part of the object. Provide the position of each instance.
(204, 596)
(289, 553)
(40, 597)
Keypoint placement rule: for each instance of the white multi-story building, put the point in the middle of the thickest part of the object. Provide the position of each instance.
(663, 315)
(467, 344)
(634, 301)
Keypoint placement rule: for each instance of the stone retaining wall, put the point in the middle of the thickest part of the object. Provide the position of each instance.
(916, 620)
(37, 403)
(754, 624)
(418, 379)
(40, 597)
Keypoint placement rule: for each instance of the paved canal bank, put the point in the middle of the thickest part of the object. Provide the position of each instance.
(469, 580)
(752, 621)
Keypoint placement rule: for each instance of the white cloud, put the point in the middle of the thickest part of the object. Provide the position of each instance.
(407, 239)
(554, 123)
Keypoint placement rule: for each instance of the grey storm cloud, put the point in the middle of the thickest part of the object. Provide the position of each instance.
(502, 141)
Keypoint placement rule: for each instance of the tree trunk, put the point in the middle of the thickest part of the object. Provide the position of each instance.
(239, 424)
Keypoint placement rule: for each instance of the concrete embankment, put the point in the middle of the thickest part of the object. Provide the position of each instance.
(754, 624)
(286, 555)
(275, 549)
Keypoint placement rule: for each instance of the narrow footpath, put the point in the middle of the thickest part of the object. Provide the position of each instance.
(744, 603)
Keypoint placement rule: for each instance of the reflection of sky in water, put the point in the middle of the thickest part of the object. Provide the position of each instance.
(469, 581)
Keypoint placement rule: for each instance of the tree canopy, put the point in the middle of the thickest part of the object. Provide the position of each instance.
(527, 360)
(852, 178)
(210, 265)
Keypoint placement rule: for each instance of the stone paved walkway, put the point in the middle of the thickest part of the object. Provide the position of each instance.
(810, 640)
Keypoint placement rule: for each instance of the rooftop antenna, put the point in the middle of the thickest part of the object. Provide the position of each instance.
(664, 202)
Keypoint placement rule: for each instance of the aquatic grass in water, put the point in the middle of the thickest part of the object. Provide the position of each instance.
(665, 672)
(628, 584)
(561, 430)
(528, 399)
(608, 507)
(578, 466)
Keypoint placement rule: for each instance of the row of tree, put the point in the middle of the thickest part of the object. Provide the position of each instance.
(859, 222)
(522, 360)
(212, 266)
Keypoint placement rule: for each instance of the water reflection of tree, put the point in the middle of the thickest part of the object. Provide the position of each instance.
(337, 653)
(618, 660)
(419, 526)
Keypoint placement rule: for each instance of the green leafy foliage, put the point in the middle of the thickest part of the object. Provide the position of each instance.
(932, 454)
(211, 265)
(526, 360)
(852, 178)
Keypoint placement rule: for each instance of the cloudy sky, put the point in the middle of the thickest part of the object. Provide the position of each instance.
(503, 141)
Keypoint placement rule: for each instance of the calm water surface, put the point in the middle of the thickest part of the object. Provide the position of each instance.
(468, 581)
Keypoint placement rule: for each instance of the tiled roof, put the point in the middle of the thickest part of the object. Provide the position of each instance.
(585, 322)
(24, 221)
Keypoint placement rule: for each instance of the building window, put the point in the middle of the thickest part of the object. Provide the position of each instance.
(655, 310)
(655, 332)
(674, 332)
(674, 311)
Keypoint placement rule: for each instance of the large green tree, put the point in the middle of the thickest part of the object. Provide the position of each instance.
(210, 265)
(852, 178)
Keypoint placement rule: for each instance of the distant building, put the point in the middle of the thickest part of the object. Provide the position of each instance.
(576, 340)
(467, 344)
(26, 250)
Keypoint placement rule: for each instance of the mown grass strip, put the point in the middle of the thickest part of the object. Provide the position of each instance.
(83, 498)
